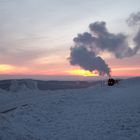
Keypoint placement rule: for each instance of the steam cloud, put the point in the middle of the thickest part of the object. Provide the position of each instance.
(88, 45)
(88, 60)
(134, 19)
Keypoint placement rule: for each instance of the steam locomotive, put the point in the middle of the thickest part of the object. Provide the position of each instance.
(112, 82)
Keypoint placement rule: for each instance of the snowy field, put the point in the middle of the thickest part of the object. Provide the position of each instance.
(94, 113)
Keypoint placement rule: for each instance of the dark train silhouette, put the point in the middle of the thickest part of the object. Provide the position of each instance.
(112, 82)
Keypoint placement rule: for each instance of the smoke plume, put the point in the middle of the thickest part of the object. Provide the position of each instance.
(114, 43)
(137, 41)
(88, 46)
(134, 19)
(88, 60)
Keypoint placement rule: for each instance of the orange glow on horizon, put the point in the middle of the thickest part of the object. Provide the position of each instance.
(81, 72)
(65, 70)
(125, 71)
(6, 68)
(9, 69)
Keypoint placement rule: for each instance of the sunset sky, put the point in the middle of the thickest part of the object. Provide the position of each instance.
(36, 35)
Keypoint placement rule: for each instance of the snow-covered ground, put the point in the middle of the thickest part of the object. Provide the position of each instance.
(95, 113)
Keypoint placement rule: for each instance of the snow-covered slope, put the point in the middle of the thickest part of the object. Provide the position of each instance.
(95, 113)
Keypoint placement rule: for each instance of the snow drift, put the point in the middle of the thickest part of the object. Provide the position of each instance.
(99, 113)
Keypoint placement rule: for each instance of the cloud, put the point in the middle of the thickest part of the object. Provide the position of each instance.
(19, 57)
(100, 39)
(24, 50)
(88, 46)
(137, 41)
(114, 43)
(88, 60)
(134, 19)
(84, 39)
(98, 28)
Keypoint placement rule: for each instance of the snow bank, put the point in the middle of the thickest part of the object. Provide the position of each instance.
(23, 85)
(132, 81)
(95, 113)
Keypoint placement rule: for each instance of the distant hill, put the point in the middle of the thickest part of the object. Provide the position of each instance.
(13, 84)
